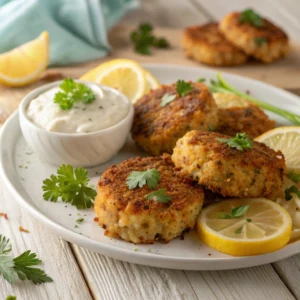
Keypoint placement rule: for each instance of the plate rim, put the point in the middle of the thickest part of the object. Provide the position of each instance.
(144, 258)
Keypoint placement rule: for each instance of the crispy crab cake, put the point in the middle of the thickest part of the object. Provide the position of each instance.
(239, 115)
(257, 172)
(156, 128)
(265, 42)
(125, 212)
(208, 45)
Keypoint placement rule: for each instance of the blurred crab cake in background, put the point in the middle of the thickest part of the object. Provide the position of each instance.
(142, 200)
(232, 167)
(164, 115)
(239, 115)
(255, 35)
(208, 45)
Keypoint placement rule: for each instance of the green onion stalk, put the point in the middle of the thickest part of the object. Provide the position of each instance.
(222, 86)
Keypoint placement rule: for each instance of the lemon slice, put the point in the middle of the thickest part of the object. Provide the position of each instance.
(25, 63)
(152, 82)
(287, 140)
(263, 228)
(125, 75)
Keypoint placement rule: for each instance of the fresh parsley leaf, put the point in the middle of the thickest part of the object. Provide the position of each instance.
(236, 212)
(71, 185)
(239, 230)
(291, 190)
(260, 40)
(183, 87)
(166, 99)
(150, 177)
(72, 92)
(23, 267)
(10, 297)
(201, 80)
(143, 40)
(20, 266)
(159, 196)
(80, 221)
(294, 176)
(249, 220)
(251, 17)
(241, 141)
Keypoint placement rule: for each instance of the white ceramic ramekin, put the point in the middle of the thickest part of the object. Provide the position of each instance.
(77, 149)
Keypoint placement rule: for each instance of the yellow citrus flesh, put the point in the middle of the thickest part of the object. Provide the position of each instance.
(152, 82)
(265, 227)
(125, 75)
(287, 140)
(25, 63)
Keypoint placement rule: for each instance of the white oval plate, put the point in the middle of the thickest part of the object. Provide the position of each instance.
(23, 174)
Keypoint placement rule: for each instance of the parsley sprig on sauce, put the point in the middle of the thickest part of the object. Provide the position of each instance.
(251, 17)
(241, 141)
(21, 266)
(144, 40)
(71, 186)
(72, 92)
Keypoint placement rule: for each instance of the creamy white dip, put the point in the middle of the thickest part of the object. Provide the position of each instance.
(107, 110)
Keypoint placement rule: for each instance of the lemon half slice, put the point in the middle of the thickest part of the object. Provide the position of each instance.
(25, 64)
(287, 140)
(263, 228)
(152, 82)
(125, 75)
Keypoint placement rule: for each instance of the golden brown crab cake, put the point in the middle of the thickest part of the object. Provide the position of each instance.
(266, 43)
(127, 214)
(257, 172)
(236, 114)
(156, 128)
(208, 45)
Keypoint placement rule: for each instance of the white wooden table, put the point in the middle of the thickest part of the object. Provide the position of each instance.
(81, 274)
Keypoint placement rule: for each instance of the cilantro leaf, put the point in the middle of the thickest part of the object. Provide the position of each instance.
(201, 80)
(6, 261)
(241, 141)
(71, 185)
(5, 246)
(183, 87)
(166, 99)
(150, 177)
(23, 267)
(291, 190)
(294, 176)
(236, 212)
(159, 196)
(251, 17)
(71, 92)
(143, 39)
(10, 297)
(80, 220)
(260, 40)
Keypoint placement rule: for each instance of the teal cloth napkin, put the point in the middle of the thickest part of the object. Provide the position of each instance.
(77, 28)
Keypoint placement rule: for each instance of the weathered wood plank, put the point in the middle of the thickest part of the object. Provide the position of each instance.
(58, 259)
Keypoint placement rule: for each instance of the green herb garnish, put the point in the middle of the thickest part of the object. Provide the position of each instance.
(21, 266)
(143, 40)
(71, 185)
(150, 177)
(183, 87)
(222, 86)
(201, 80)
(241, 141)
(72, 92)
(260, 40)
(291, 190)
(239, 230)
(295, 177)
(80, 221)
(10, 297)
(236, 212)
(249, 220)
(251, 17)
(159, 196)
(166, 99)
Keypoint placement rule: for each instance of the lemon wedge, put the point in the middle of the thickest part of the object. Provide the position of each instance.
(287, 140)
(263, 228)
(25, 63)
(152, 81)
(125, 75)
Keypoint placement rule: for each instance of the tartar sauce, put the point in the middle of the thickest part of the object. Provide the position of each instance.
(107, 110)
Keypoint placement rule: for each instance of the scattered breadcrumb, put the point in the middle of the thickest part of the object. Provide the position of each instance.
(23, 229)
(4, 215)
(96, 219)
